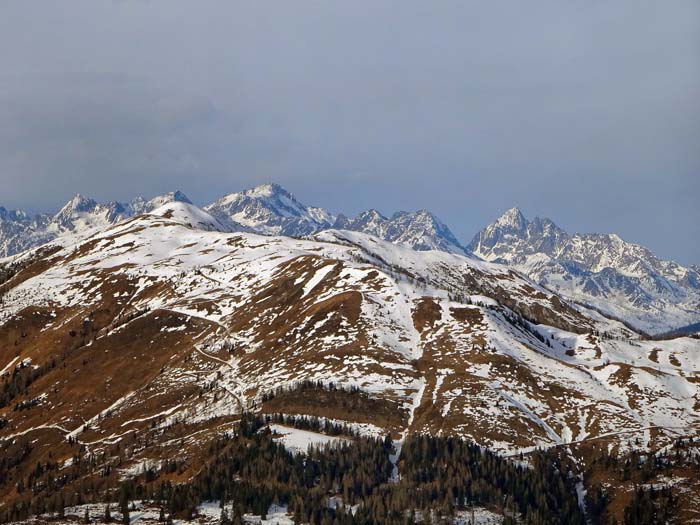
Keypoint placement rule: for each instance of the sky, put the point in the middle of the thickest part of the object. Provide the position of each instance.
(587, 112)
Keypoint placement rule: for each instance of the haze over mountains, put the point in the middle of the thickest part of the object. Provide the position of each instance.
(602, 271)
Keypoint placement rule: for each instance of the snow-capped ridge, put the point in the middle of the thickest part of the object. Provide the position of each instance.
(618, 277)
(603, 271)
(79, 203)
(478, 339)
(269, 209)
(267, 189)
(188, 214)
(512, 218)
(173, 196)
(80, 215)
(421, 230)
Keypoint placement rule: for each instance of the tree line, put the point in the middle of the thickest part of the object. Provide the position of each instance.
(248, 470)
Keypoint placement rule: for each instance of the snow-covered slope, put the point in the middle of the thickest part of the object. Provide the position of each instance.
(154, 334)
(193, 326)
(601, 270)
(19, 232)
(267, 209)
(188, 214)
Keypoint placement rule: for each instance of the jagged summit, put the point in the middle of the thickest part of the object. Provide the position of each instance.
(370, 221)
(269, 209)
(495, 241)
(601, 270)
(19, 232)
(513, 219)
(420, 230)
(172, 196)
(79, 203)
(267, 189)
(140, 205)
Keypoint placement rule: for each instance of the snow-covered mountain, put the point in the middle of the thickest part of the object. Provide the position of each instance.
(154, 335)
(187, 214)
(82, 213)
(601, 270)
(19, 231)
(269, 209)
(420, 230)
(447, 343)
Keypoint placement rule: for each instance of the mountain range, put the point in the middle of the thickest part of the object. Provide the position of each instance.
(600, 271)
(20, 231)
(127, 354)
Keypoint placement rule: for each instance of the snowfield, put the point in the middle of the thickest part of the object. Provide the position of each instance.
(299, 441)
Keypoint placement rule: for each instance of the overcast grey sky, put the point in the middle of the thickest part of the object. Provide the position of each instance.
(587, 112)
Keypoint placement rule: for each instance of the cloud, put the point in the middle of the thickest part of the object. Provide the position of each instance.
(585, 111)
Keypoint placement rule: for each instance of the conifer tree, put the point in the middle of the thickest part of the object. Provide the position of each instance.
(124, 504)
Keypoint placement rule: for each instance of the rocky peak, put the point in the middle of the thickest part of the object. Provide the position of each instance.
(512, 220)
(269, 209)
(370, 221)
(160, 200)
(13, 215)
(79, 203)
(421, 230)
(603, 270)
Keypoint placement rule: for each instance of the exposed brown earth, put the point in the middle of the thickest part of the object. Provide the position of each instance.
(143, 354)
